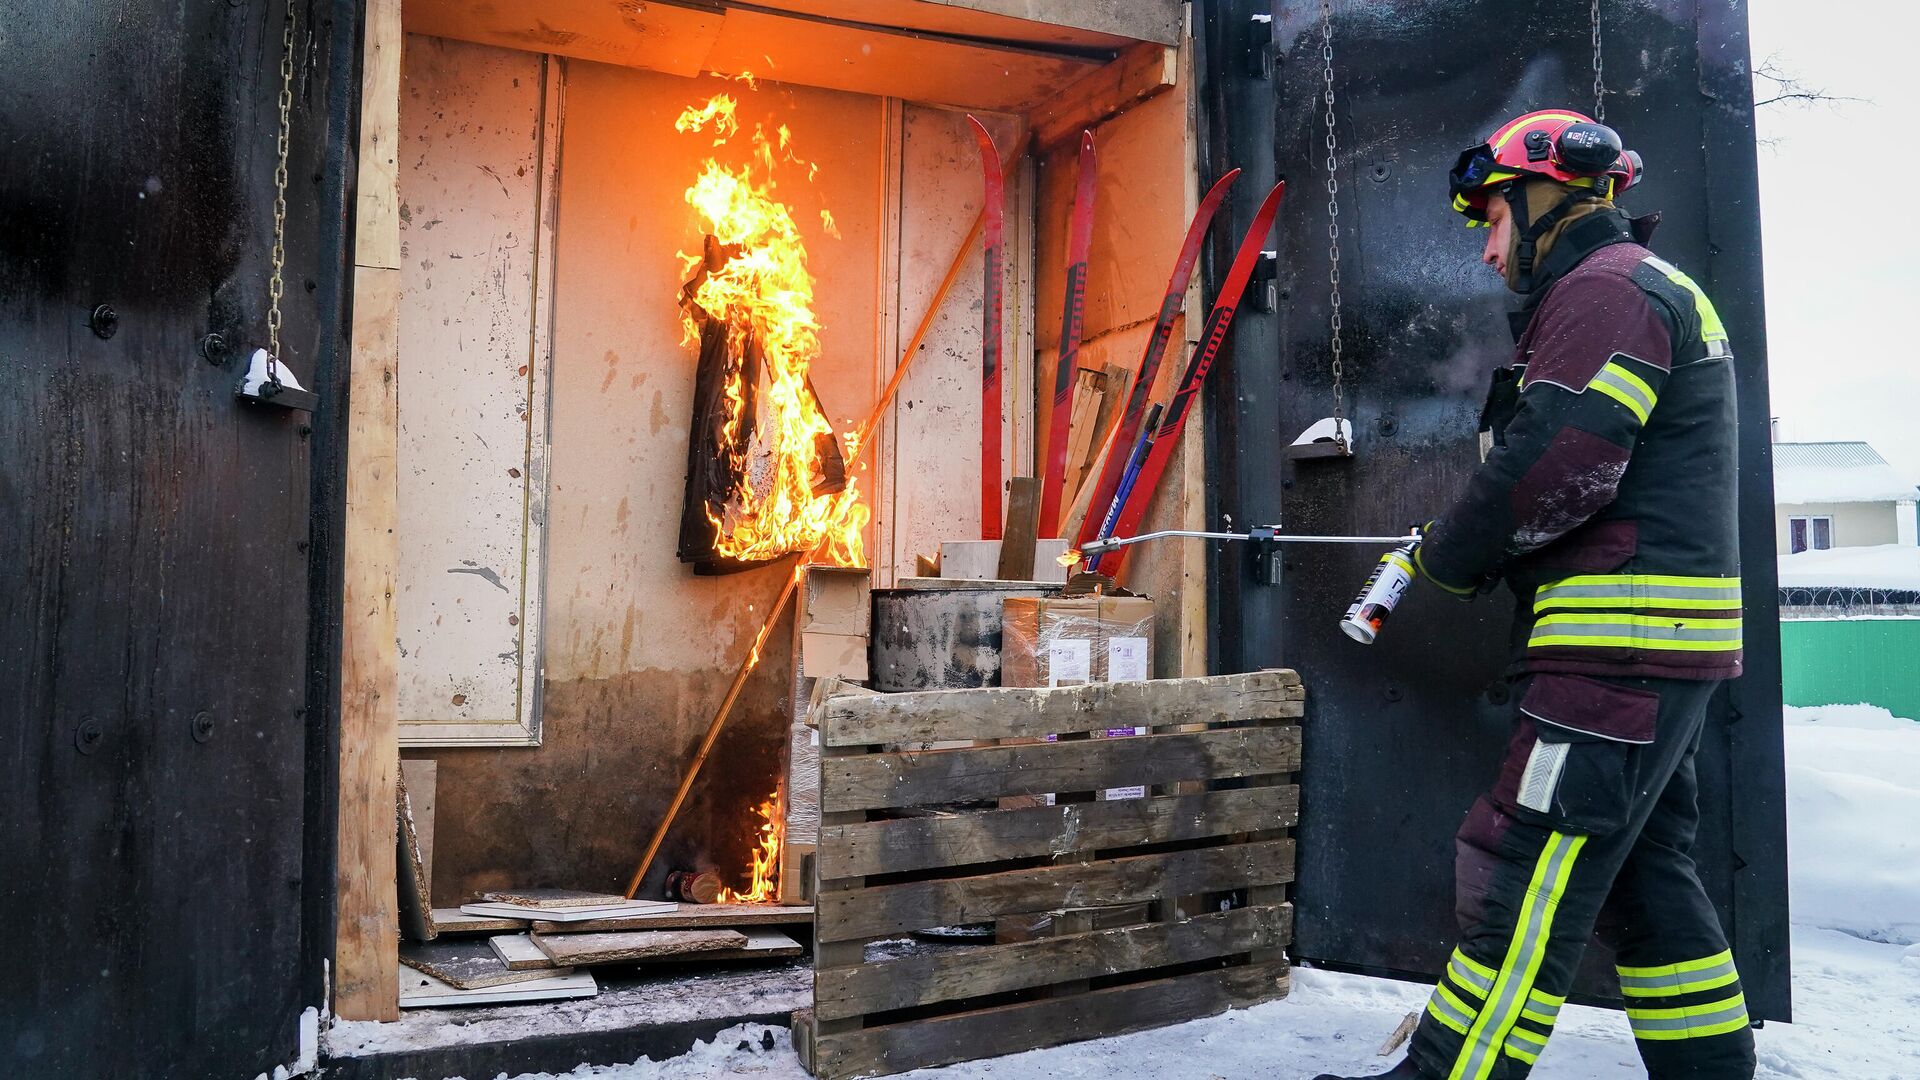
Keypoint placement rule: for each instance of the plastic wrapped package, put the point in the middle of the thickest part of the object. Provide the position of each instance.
(1068, 641)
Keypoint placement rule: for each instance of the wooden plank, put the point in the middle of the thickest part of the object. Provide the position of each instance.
(468, 964)
(571, 915)
(908, 844)
(451, 920)
(1022, 529)
(366, 923)
(660, 37)
(419, 989)
(763, 943)
(422, 779)
(376, 238)
(1012, 713)
(882, 910)
(557, 899)
(691, 917)
(1082, 24)
(1140, 72)
(518, 952)
(959, 974)
(1046, 1022)
(414, 888)
(568, 950)
(919, 778)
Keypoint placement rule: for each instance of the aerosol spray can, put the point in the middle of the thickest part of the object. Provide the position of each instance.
(1384, 588)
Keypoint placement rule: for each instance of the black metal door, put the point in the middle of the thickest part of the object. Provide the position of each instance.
(156, 838)
(1401, 737)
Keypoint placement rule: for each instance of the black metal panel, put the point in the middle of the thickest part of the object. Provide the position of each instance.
(156, 652)
(1402, 736)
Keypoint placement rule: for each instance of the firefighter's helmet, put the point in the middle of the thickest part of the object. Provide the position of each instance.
(1557, 144)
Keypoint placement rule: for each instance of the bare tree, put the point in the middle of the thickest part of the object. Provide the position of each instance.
(1789, 88)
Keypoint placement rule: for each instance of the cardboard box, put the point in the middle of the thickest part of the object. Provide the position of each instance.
(836, 600)
(843, 656)
(1067, 641)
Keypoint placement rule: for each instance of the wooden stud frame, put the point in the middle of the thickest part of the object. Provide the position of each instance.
(1217, 765)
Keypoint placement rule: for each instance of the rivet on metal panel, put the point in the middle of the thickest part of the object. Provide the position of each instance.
(104, 321)
(1391, 693)
(201, 726)
(89, 736)
(215, 348)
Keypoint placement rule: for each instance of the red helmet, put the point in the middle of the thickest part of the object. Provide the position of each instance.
(1558, 144)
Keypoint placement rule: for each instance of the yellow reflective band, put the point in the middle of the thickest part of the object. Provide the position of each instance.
(1640, 632)
(1658, 592)
(1638, 410)
(1683, 968)
(1434, 1010)
(1428, 574)
(1637, 382)
(1466, 1012)
(1711, 328)
(1673, 980)
(1690, 1021)
(1475, 966)
(1514, 985)
(1525, 1045)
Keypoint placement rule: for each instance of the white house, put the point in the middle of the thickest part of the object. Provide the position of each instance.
(1839, 495)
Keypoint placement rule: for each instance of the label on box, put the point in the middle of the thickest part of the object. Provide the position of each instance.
(1115, 794)
(1069, 662)
(1127, 659)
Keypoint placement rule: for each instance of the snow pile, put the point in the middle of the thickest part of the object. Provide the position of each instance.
(1853, 801)
(1840, 484)
(1882, 566)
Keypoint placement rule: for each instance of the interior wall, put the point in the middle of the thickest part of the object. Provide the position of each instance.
(638, 650)
(1144, 194)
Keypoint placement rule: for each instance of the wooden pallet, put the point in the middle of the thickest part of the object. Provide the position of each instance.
(1216, 763)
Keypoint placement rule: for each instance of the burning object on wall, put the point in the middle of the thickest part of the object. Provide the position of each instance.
(766, 475)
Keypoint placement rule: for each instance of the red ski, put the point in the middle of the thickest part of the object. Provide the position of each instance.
(1072, 320)
(1171, 305)
(993, 214)
(1166, 438)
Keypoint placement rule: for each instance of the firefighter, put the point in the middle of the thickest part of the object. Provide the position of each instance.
(1606, 503)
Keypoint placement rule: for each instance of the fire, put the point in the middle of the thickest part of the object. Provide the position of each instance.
(764, 295)
(765, 882)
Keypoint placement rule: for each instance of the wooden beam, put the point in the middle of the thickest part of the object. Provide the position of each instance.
(884, 910)
(1142, 71)
(366, 979)
(972, 973)
(1034, 712)
(902, 845)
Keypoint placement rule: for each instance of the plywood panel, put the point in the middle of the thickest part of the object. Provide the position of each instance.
(475, 121)
(661, 37)
(638, 650)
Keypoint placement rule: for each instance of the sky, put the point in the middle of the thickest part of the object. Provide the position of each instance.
(1843, 275)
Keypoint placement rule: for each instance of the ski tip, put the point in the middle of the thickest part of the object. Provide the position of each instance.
(1086, 140)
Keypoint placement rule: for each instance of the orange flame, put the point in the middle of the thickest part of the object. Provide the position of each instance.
(764, 295)
(765, 882)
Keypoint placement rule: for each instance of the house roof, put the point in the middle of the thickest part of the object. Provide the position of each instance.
(1835, 472)
(1883, 566)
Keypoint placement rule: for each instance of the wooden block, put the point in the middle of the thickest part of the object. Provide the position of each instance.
(920, 778)
(1030, 1025)
(450, 920)
(1007, 713)
(419, 989)
(828, 688)
(883, 910)
(466, 965)
(415, 890)
(796, 873)
(1022, 529)
(763, 943)
(422, 777)
(979, 560)
(1140, 72)
(839, 656)
(519, 953)
(554, 898)
(907, 844)
(801, 1028)
(957, 975)
(691, 917)
(568, 950)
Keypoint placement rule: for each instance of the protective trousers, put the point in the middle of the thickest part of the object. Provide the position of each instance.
(1589, 823)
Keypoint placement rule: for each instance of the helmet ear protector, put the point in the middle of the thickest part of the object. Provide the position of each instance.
(1580, 150)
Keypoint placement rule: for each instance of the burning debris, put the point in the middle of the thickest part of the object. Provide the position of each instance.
(765, 474)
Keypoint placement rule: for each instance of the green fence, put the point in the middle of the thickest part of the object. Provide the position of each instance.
(1850, 661)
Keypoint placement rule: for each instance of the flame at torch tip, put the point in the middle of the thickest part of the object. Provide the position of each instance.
(1069, 557)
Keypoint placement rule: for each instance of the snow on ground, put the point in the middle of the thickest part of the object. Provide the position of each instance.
(1880, 566)
(1853, 796)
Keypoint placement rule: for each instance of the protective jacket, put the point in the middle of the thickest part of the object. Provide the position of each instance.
(1607, 500)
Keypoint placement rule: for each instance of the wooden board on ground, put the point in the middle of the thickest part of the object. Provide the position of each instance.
(554, 898)
(763, 943)
(418, 989)
(570, 915)
(466, 965)
(1158, 949)
(449, 920)
(691, 917)
(519, 953)
(614, 948)
(416, 890)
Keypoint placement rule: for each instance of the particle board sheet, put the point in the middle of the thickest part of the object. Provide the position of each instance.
(469, 964)
(454, 921)
(691, 917)
(1144, 826)
(419, 989)
(519, 953)
(625, 946)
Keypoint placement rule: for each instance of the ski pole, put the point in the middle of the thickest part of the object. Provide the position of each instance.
(1141, 446)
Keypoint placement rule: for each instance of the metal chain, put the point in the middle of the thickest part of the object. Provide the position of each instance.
(276, 285)
(1333, 228)
(1599, 85)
